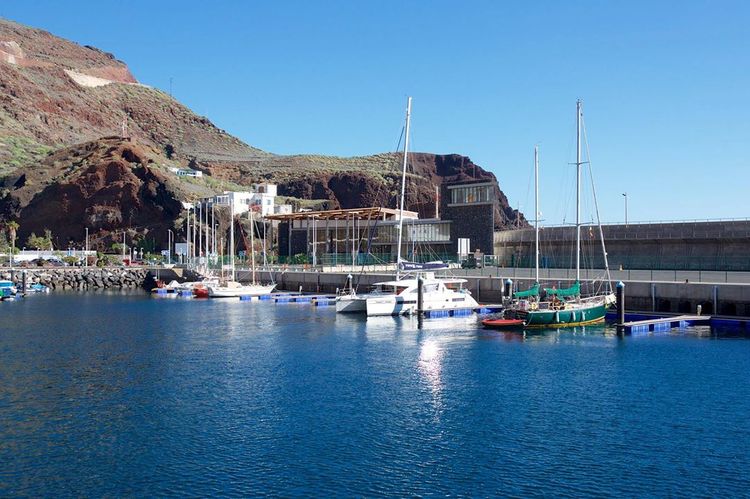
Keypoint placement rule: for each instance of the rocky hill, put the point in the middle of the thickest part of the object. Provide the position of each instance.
(65, 110)
(105, 185)
(55, 93)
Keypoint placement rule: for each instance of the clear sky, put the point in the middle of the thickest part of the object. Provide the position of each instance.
(665, 85)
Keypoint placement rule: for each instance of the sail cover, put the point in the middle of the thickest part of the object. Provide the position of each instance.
(409, 266)
(574, 290)
(532, 291)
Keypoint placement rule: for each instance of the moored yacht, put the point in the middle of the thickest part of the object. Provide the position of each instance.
(437, 294)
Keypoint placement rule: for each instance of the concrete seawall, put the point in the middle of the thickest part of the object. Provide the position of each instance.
(708, 246)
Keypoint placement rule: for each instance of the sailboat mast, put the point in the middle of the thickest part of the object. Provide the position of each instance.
(231, 234)
(403, 188)
(187, 238)
(252, 244)
(536, 211)
(200, 232)
(578, 190)
(206, 236)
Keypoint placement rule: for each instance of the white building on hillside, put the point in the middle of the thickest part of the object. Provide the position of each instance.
(260, 200)
(186, 173)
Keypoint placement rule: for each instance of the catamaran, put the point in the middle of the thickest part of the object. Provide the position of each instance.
(562, 307)
(399, 296)
(438, 293)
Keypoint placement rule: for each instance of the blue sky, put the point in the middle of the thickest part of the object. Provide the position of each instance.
(665, 85)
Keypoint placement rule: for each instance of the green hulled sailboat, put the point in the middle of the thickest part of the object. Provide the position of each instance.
(562, 308)
(553, 307)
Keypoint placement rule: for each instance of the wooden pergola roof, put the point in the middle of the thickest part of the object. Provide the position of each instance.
(356, 213)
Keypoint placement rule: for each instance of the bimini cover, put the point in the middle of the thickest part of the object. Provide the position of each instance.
(574, 290)
(532, 291)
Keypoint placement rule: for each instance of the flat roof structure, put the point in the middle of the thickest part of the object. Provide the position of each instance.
(370, 213)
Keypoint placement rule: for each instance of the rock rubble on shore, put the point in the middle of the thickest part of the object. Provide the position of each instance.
(80, 278)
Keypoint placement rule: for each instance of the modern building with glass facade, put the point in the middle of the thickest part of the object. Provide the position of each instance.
(361, 235)
(370, 235)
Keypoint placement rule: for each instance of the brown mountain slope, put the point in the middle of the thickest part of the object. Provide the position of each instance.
(105, 185)
(56, 93)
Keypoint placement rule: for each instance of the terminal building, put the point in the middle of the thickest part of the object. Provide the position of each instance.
(370, 235)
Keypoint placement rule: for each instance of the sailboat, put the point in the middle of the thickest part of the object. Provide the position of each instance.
(562, 307)
(399, 296)
(349, 301)
(231, 288)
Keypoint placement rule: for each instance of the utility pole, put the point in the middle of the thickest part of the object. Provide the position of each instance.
(123, 247)
(86, 251)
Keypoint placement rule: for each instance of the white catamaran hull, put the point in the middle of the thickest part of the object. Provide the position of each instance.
(405, 305)
(351, 304)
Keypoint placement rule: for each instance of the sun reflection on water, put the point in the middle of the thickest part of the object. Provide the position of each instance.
(430, 369)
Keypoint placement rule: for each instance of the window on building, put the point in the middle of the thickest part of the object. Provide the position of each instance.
(471, 194)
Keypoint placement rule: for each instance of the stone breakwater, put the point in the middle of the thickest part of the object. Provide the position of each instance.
(75, 278)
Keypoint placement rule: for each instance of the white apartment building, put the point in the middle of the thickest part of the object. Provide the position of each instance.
(261, 200)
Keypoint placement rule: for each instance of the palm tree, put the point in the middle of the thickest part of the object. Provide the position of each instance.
(12, 228)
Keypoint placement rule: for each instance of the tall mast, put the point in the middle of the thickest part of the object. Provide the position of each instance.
(200, 230)
(536, 211)
(207, 237)
(403, 189)
(252, 244)
(187, 238)
(578, 190)
(231, 234)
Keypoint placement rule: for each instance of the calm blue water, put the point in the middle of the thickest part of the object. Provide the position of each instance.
(122, 394)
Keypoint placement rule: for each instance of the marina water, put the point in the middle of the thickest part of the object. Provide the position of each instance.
(124, 394)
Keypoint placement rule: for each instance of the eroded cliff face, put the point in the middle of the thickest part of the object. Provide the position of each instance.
(105, 185)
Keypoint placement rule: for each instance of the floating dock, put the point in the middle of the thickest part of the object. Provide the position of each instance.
(304, 299)
(440, 314)
(660, 324)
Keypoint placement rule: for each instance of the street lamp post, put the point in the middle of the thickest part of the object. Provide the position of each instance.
(625, 195)
(86, 251)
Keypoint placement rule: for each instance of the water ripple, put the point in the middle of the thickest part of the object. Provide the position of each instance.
(121, 395)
